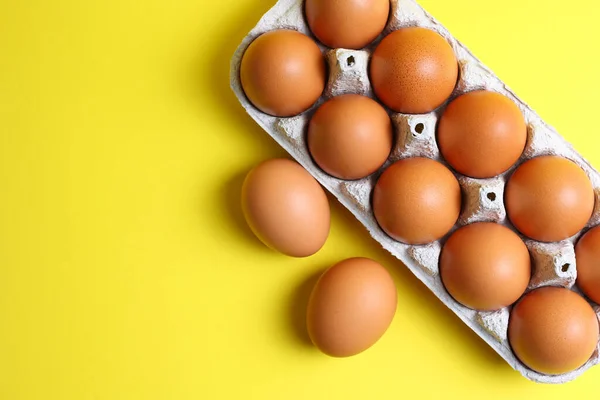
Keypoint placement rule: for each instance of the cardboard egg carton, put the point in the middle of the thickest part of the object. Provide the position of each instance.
(553, 263)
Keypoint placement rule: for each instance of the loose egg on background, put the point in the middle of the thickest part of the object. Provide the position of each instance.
(417, 200)
(351, 307)
(587, 256)
(482, 134)
(549, 198)
(485, 266)
(350, 136)
(283, 73)
(553, 330)
(413, 70)
(349, 24)
(286, 207)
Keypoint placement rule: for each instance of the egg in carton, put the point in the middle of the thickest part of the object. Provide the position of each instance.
(553, 264)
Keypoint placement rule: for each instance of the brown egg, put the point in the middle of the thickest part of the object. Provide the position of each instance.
(350, 24)
(413, 70)
(283, 73)
(286, 207)
(587, 255)
(351, 307)
(416, 200)
(485, 266)
(553, 330)
(549, 198)
(350, 136)
(482, 134)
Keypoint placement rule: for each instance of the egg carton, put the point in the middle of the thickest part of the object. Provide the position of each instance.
(553, 264)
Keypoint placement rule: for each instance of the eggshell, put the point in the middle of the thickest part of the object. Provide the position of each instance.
(413, 70)
(553, 330)
(349, 24)
(549, 198)
(587, 256)
(350, 136)
(283, 73)
(286, 208)
(485, 266)
(416, 200)
(482, 134)
(351, 307)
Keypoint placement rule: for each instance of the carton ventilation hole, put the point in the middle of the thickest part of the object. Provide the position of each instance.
(419, 127)
(491, 196)
(565, 267)
(350, 61)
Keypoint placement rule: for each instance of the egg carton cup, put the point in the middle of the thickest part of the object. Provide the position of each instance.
(553, 264)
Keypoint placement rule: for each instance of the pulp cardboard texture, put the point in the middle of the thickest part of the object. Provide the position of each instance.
(553, 264)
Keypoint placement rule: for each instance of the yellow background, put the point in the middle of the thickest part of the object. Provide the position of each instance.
(126, 269)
